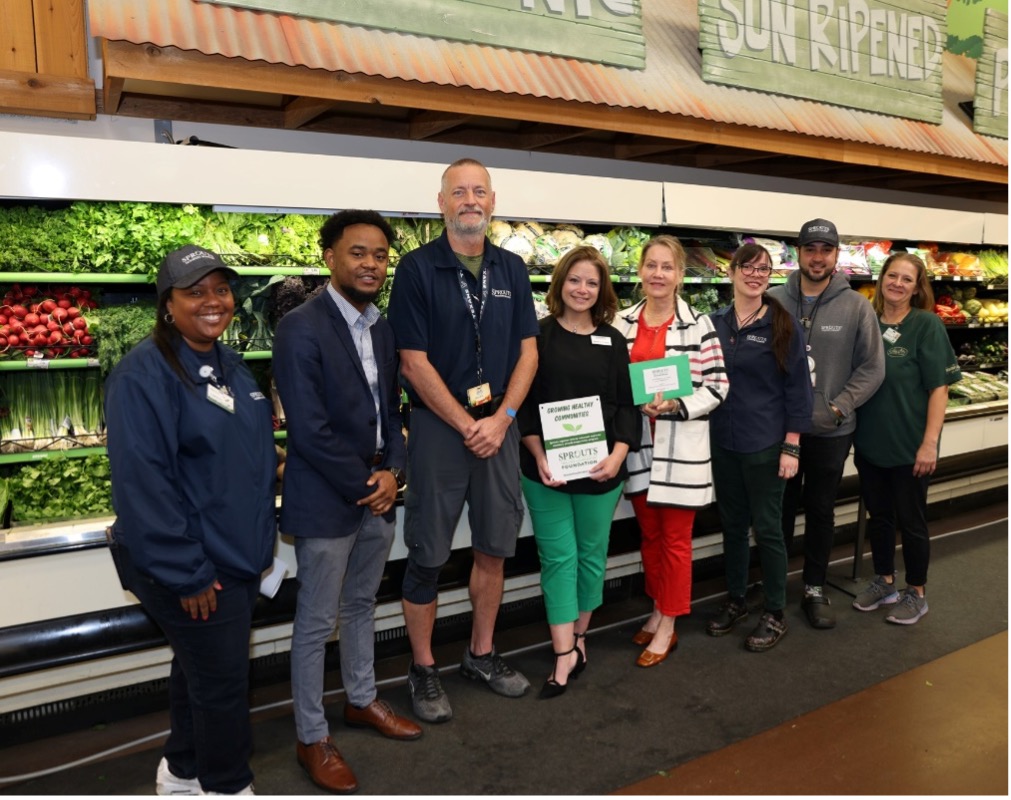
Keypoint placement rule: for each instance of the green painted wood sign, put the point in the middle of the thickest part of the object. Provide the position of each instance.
(603, 31)
(989, 106)
(868, 54)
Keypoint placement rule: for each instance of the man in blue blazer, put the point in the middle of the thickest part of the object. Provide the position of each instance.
(335, 367)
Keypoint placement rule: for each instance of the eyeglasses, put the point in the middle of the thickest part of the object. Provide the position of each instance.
(752, 269)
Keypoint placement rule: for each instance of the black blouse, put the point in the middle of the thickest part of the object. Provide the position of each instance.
(575, 365)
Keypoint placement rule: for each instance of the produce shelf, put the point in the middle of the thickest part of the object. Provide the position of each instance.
(267, 271)
(48, 363)
(256, 355)
(39, 455)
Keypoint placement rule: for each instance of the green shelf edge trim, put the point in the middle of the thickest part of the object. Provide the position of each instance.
(73, 277)
(40, 455)
(49, 363)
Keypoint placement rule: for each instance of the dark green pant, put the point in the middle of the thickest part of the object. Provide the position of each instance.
(749, 493)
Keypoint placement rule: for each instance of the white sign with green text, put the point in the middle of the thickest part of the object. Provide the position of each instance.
(574, 437)
(604, 31)
(867, 54)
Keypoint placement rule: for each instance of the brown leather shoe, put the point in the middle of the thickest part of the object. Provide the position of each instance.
(650, 659)
(328, 770)
(643, 637)
(380, 716)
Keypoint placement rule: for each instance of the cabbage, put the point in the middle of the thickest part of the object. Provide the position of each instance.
(565, 238)
(568, 226)
(520, 245)
(600, 242)
(546, 251)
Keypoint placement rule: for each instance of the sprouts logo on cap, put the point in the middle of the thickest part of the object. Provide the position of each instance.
(196, 255)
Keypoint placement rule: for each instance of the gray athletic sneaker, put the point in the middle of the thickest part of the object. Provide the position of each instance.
(909, 609)
(491, 669)
(428, 699)
(879, 592)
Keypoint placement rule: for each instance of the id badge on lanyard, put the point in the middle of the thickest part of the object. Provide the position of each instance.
(217, 393)
(481, 393)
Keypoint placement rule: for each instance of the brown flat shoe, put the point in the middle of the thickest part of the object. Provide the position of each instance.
(326, 767)
(379, 716)
(643, 637)
(651, 659)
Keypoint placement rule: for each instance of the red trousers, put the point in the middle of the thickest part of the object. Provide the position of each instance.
(666, 554)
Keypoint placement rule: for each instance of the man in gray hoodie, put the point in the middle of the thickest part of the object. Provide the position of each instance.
(847, 361)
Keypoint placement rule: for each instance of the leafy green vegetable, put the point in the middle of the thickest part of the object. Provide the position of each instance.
(61, 488)
(118, 328)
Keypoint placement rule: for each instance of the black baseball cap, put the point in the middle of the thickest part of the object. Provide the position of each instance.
(818, 230)
(187, 265)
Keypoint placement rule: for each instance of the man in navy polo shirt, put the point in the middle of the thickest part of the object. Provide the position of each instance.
(464, 322)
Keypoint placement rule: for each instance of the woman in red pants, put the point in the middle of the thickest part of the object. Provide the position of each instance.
(670, 477)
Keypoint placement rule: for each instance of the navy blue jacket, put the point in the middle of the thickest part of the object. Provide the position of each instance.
(764, 404)
(331, 418)
(192, 484)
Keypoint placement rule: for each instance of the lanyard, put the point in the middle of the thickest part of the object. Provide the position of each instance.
(475, 314)
(808, 322)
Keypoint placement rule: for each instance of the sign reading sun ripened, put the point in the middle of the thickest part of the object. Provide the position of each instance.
(866, 54)
(989, 106)
(604, 31)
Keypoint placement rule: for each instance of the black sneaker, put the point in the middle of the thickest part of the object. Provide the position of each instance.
(730, 613)
(428, 699)
(766, 634)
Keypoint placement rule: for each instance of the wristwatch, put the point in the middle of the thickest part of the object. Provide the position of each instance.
(399, 476)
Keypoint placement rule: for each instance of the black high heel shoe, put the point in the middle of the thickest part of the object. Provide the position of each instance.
(553, 688)
(581, 661)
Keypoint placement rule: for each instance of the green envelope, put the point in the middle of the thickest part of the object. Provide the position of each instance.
(672, 376)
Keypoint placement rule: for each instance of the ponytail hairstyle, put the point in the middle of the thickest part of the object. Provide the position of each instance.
(782, 320)
(167, 337)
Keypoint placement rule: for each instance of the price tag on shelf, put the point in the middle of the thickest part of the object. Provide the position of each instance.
(310, 271)
(92, 362)
(37, 363)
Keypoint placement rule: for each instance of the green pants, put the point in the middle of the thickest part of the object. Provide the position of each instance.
(749, 493)
(571, 531)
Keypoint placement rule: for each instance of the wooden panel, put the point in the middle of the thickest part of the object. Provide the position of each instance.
(882, 56)
(990, 103)
(47, 95)
(604, 31)
(17, 36)
(60, 37)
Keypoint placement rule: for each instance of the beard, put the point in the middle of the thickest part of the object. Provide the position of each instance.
(459, 227)
(356, 295)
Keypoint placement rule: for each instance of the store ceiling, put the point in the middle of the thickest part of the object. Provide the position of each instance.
(185, 60)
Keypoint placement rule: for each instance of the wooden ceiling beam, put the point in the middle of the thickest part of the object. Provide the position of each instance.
(630, 151)
(170, 64)
(112, 95)
(303, 110)
(47, 95)
(540, 136)
(426, 124)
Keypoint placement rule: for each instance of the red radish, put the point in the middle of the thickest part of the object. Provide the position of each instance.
(19, 311)
(68, 328)
(13, 340)
(86, 340)
(80, 323)
(29, 353)
(78, 335)
(31, 319)
(17, 327)
(64, 303)
(48, 306)
(3, 319)
(73, 312)
(40, 329)
(3, 341)
(75, 292)
(29, 291)
(55, 337)
(59, 314)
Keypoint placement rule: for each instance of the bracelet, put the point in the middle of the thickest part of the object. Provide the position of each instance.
(790, 449)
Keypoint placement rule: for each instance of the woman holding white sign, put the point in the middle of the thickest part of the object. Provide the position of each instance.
(577, 425)
(670, 477)
(756, 440)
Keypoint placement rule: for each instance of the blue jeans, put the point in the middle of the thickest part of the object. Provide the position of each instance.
(822, 460)
(211, 737)
(894, 497)
(337, 583)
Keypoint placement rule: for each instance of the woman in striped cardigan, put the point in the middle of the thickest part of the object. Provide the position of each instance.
(670, 477)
